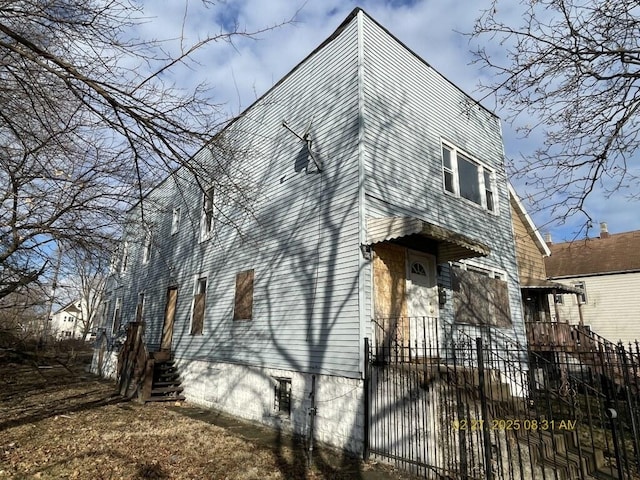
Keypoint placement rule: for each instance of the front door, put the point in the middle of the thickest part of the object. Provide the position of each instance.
(422, 301)
(169, 316)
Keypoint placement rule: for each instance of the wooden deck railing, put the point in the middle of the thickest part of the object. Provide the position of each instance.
(542, 335)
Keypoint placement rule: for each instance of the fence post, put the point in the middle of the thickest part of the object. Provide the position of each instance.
(462, 433)
(367, 399)
(486, 435)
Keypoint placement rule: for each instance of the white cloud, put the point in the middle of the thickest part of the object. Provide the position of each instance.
(245, 70)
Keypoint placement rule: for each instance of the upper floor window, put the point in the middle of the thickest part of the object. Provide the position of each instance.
(466, 178)
(125, 257)
(175, 220)
(206, 222)
(146, 253)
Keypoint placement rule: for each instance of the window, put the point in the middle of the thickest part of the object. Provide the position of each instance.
(558, 298)
(206, 225)
(125, 257)
(418, 269)
(243, 305)
(175, 220)
(116, 317)
(282, 396)
(582, 297)
(197, 314)
(140, 307)
(104, 312)
(467, 178)
(146, 253)
(480, 296)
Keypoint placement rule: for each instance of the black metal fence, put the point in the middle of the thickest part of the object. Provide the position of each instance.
(445, 403)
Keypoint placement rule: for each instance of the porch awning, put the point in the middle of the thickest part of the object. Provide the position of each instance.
(546, 286)
(451, 245)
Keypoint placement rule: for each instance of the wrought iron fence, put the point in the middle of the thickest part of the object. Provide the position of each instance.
(444, 404)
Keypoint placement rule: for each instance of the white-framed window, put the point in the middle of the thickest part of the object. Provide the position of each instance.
(175, 220)
(198, 307)
(117, 316)
(206, 222)
(558, 298)
(125, 257)
(465, 177)
(140, 307)
(146, 252)
(582, 297)
(104, 315)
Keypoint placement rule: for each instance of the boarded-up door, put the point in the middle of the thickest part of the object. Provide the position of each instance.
(169, 316)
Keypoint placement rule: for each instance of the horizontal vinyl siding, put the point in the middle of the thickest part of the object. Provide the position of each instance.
(301, 237)
(612, 308)
(410, 109)
(530, 260)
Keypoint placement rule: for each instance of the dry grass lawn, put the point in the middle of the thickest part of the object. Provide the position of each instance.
(58, 422)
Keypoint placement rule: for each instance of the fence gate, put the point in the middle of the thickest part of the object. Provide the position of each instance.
(454, 406)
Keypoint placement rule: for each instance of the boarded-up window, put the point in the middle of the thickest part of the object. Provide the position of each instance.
(479, 299)
(243, 307)
(197, 318)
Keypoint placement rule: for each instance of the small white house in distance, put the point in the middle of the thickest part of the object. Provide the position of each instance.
(607, 271)
(377, 196)
(66, 323)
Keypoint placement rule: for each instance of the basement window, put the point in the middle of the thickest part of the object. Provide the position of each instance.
(282, 396)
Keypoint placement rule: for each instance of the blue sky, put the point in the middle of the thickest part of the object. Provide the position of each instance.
(242, 71)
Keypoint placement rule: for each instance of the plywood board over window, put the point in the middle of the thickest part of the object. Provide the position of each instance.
(480, 299)
(243, 305)
(197, 319)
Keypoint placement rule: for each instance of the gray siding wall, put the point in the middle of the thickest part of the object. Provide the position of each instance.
(303, 232)
(300, 237)
(410, 108)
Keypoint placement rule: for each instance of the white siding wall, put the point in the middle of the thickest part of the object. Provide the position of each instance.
(612, 308)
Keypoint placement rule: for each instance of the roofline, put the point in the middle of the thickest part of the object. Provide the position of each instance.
(596, 274)
(542, 245)
(327, 41)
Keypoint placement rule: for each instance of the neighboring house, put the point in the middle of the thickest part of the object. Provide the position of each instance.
(66, 323)
(531, 254)
(392, 212)
(606, 270)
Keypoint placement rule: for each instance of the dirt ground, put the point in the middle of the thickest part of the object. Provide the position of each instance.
(59, 422)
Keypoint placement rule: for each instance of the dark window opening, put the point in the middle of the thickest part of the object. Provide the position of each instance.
(197, 318)
(282, 397)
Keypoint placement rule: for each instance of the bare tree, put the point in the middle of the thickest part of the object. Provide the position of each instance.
(83, 276)
(84, 130)
(572, 67)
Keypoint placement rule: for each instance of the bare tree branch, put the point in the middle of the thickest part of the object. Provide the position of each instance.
(571, 70)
